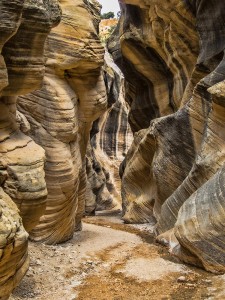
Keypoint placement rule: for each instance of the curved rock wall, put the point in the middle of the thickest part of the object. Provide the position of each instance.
(163, 75)
(155, 56)
(173, 173)
(24, 26)
(111, 137)
(14, 260)
(61, 113)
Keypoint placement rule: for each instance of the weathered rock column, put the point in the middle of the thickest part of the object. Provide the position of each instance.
(61, 114)
(24, 26)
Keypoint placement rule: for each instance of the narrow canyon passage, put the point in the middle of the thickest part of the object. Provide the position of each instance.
(112, 261)
(112, 150)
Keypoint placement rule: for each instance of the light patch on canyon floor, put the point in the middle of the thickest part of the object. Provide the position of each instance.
(112, 261)
(150, 269)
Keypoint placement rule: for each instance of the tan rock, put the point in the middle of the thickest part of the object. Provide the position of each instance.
(110, 140)
(61, 114)
(13, 246)
(24, 27)
(155, 85)
(173, 172)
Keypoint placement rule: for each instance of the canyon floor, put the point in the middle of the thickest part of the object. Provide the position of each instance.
(109, 260)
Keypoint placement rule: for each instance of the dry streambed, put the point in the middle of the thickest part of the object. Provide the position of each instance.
(112, 261)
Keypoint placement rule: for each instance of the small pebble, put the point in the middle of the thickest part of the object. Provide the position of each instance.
(191, 285)
(38, 262)
(181, 279)
(207, 281)
(212, 290)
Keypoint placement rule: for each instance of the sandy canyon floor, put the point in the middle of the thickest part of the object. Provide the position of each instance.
(112, 261)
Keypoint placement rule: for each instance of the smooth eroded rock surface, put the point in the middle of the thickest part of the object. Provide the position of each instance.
(24, 26)
(111, 137)
(14, 259)
(172, 58)
(61, 113)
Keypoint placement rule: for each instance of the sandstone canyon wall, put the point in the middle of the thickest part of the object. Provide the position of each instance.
(24, 26)
(45, 132)
(61, 113)
(111, 137)
(64, 131)
(172, 55)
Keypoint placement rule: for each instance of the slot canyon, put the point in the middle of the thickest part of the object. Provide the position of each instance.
(112, 150)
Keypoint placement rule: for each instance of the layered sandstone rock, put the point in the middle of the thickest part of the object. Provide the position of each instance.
(111, 137)
(24, 27)
(157, 64)
(14, 259)
(155, 55)
(173, 173)
(61, 113)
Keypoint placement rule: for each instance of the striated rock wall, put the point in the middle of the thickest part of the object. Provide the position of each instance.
(172, 55)
(111, 137)
(161, 79)
(24, 26)
(61, 113)
(156, 57)
(14, 261)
